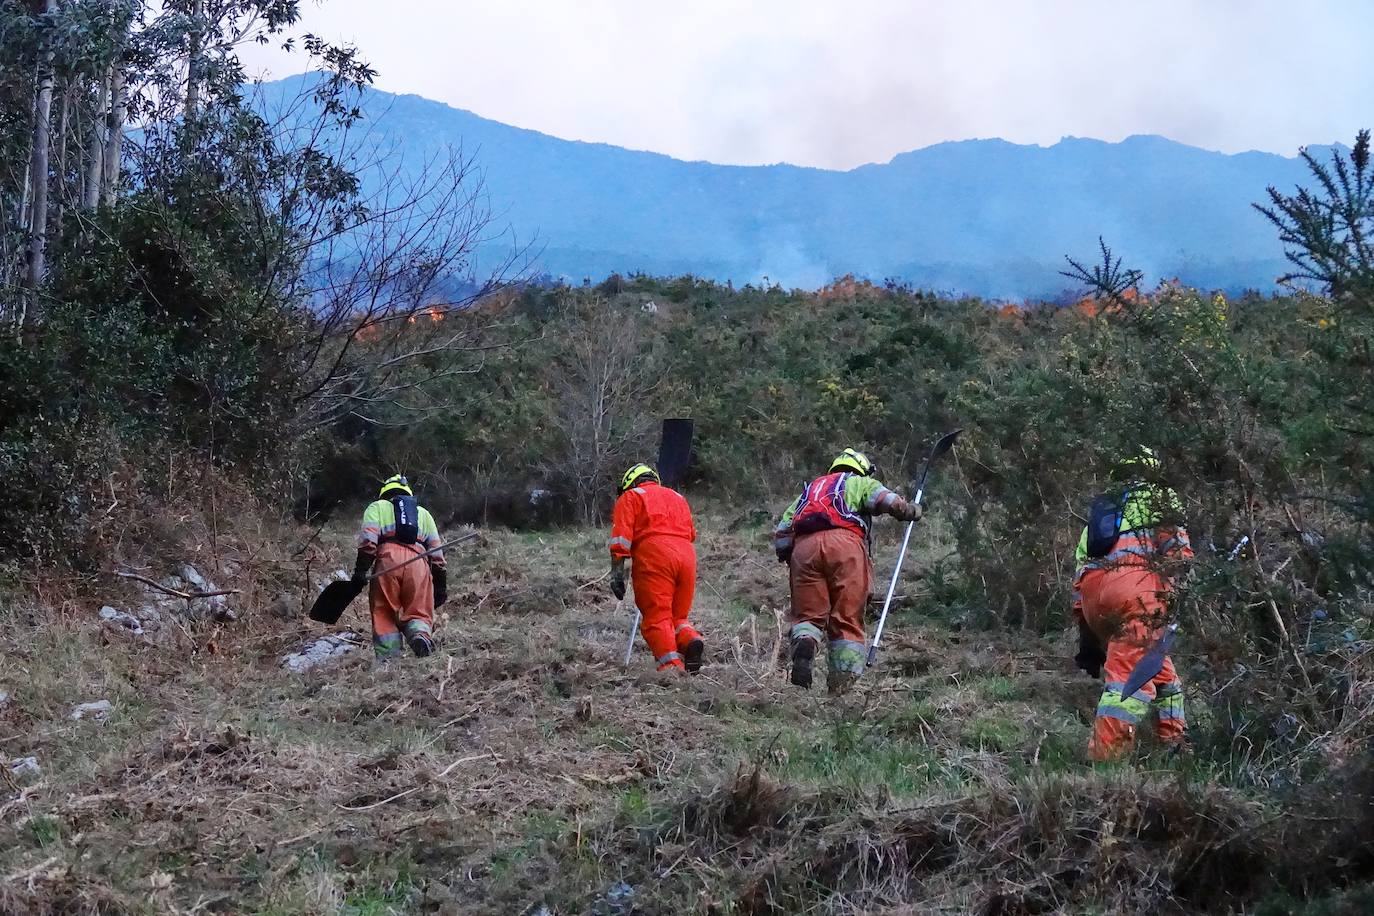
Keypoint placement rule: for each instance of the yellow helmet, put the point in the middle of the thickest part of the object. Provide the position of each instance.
(393, 484)
(852, 460)
(635, 474)
(1144, 461)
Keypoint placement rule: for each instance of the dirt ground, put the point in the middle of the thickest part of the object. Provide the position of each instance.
(522, 769)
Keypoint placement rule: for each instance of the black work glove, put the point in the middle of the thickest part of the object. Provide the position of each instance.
(440, 577)
(907, 511)
(1091, 656)
(361, 566)
(618, 582)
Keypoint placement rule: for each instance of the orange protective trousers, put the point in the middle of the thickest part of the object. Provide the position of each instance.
(831, 578)
(1126, 607)
(664, 572)
(402, 600)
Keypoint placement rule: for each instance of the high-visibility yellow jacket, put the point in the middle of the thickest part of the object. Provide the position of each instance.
(1151, 531)
(379, 526)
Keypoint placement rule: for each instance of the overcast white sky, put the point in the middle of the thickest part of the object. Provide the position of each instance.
(836, 84)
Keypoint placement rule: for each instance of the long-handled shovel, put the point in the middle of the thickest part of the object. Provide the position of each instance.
(674, 457)
(337, 596)
(946, 442)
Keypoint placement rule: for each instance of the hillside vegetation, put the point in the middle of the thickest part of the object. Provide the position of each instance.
(217, 340)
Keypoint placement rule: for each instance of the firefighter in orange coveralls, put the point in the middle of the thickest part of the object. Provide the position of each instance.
(652, 525)
(1127, 558)
(395, 529)
(823, 536)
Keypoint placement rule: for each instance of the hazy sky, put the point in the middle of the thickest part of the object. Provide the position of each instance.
(836, 84)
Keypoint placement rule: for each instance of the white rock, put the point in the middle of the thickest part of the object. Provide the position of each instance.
(98, 710)
(194, 579)
(4, 698)
(25, 768)
(121, 619)
(321, 651)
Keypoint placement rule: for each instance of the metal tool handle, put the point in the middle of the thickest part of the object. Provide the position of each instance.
(634, 628)
(891, 589)
(421, 556)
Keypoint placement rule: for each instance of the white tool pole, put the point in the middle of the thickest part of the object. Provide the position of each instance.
(629, 646)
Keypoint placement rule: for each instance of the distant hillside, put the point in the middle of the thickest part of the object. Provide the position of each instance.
(979, 216)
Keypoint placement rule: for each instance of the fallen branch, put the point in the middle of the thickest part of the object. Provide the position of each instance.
(448, 769)
(187, 596)
(304, 836)
(382, 802)
(29, 873)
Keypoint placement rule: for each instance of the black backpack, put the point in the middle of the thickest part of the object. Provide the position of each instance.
(407, 519)
(1104, 522)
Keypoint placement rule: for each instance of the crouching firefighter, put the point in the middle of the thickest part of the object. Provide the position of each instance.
(1129, 553)
(397, 528)
(652, 527)
(824, 538)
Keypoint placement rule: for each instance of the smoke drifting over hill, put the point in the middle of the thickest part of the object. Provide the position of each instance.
(985, 217)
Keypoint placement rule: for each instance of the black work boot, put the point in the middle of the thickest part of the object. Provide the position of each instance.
(421, 644)
(692, 655)
(803, 654)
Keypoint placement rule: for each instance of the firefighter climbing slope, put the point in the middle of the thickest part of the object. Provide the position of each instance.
(652, 528)
(396, 528)
(1128, 556)
(824, 539)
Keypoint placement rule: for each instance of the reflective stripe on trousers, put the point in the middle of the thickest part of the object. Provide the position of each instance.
(387, 644)
(846, 655)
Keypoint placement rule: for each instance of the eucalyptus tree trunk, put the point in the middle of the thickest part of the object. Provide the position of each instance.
(195, 40)
(63, 173)
(38, 176)
(95, 147)
(114, 139)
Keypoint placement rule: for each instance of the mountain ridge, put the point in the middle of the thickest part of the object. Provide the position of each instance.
(983, 216)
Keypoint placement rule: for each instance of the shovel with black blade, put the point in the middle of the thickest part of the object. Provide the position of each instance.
(337, 596)
(945, 444)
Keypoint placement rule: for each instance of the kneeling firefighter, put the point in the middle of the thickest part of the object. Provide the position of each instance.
(1127, 558)
(397, 528)
(652, 526)
(824, 538)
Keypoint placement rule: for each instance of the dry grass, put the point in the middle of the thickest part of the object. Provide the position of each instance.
(522, 766)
